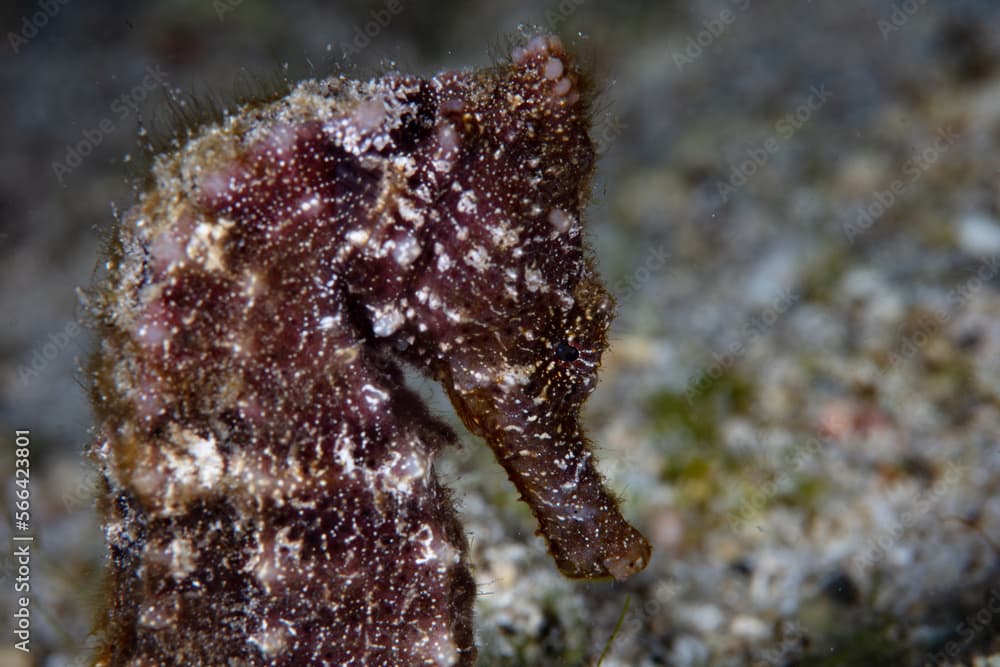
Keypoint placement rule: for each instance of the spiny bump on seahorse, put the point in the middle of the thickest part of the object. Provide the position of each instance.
(268, 490)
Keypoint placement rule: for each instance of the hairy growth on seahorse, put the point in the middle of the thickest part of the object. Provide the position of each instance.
(269, 493)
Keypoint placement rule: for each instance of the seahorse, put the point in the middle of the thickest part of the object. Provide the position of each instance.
(268, 490)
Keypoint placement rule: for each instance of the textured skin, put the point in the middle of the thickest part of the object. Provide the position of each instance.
(269, 496)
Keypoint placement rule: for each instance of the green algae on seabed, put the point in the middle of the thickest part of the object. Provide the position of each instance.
(704, 469)
(872, 643)
(697, 463)
(697, 414)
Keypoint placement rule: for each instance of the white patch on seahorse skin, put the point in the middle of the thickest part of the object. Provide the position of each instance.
(206, 243)
(435, 548)
(269, 640)
(560, 220)
(309, 204)
(478, 258)
(206, 458)
(441, 648)
(409, 212)
(504, 236)
(343, 453)
(467, 202)
(533, 279)
(406, 166)
(182, 558)
(386, 320)
(515, 376)
(406, 251)
(402, 470)
(160, 612)
(373, 395)
(197, 466)
(444, 157)
(358, 237)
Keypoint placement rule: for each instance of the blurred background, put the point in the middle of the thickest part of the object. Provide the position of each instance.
(797, 207)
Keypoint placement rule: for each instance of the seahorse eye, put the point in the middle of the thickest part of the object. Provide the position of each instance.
(566, 352)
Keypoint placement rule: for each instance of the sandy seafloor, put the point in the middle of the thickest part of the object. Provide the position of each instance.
(797, 207)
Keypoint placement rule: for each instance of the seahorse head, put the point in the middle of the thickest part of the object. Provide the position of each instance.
(509, 313)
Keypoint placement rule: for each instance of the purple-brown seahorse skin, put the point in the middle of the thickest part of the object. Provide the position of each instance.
(269, 496)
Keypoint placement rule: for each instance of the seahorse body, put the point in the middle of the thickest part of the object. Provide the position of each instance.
(268, 487)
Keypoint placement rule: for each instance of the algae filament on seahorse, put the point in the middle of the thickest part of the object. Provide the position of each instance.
(268, 491)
